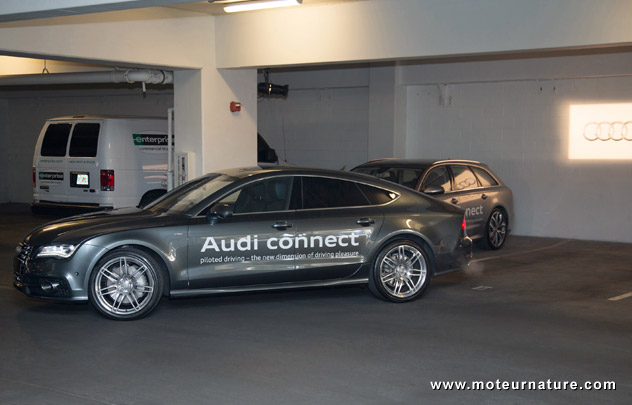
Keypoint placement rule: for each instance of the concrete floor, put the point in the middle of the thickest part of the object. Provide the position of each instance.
(537, 310)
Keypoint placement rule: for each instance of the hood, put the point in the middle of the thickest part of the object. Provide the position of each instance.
(76, 229)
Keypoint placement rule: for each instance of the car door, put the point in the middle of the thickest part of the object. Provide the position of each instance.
(254, 245)
(335, 229)
(466, 193)
(458, 183)
(490, 191)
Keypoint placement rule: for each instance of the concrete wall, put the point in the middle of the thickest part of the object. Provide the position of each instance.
(333, 117)
(163, 38)
(375, 30)
(22, 115)
(522, 128)
(324, 121)
(512, 114)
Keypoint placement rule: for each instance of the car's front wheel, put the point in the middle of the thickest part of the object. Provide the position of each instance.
(496, 229)
(126, 284)
(401, 271)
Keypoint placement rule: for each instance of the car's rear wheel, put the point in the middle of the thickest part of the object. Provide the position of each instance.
(401, 271)
(496, 229)
(126, 284)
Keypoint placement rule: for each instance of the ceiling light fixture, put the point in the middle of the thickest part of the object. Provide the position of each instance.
(260, 5)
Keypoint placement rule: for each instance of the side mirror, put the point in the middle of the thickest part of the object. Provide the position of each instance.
(434, 190)
(222, 211)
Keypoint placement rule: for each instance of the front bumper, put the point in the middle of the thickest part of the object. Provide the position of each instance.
(55, 279)
(39, 284)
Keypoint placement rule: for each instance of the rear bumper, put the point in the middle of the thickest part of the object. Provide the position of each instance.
(77, 206)
(456, 260)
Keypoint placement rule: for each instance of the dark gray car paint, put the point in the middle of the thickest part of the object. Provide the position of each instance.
(176, 240)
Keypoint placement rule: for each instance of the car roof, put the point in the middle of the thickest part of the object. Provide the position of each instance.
(257, 172)
(414, 163)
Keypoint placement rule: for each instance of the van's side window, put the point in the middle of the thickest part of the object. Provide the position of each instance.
(55, 140)
(85, 138)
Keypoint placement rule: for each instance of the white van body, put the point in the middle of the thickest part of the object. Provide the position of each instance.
(100, 162)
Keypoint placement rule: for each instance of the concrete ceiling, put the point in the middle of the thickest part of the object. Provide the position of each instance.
(17, 10)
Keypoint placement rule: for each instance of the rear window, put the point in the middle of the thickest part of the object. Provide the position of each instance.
(85, 138)
(377, 196)
(55, 140)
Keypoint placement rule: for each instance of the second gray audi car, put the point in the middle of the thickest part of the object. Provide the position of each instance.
(247, 230)
(471, 185)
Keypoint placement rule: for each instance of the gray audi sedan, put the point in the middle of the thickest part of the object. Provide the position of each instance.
(247, 230)
(471, 185)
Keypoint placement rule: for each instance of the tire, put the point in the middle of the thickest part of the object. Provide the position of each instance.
(496, 230)
(126, 284)
(401, 271)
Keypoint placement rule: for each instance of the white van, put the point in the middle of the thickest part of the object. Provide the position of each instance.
(100, 162)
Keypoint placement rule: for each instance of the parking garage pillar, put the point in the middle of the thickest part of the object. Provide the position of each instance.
(204, 124)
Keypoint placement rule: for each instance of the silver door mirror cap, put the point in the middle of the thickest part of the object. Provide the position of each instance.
(434, 190)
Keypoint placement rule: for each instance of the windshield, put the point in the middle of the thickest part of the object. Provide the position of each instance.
(188, 195)
(405, 176)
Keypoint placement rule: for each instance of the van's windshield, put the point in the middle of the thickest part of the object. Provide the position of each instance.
(181, 199)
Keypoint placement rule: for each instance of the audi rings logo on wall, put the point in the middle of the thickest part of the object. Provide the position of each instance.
(608, 131)
(600, 131)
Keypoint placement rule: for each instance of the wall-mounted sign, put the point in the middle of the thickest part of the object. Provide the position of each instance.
(600, 131)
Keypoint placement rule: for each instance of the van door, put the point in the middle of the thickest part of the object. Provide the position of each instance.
(83, 173)
(50, 163)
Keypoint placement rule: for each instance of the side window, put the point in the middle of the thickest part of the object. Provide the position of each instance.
(438, 177)
(484, 177)
(410, 177)
(85, 138)
(261, 196)
(55, 140)
(404, 176)
(377, 195)
(322, 192)
(464, 179)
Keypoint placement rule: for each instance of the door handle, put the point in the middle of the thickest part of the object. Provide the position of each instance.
(454, 201)
(282, 225)
(484, 196)
(365, 221)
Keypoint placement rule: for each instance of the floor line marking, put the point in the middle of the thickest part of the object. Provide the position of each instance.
(621, 297)
(71, 394)
(521, 253)
(482, 288)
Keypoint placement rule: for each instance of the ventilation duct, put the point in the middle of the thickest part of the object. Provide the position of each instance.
(114, 76)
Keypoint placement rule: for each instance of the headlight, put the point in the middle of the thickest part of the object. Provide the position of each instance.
(59, 251)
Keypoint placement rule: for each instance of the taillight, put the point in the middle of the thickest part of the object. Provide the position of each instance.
(33, 177)
(107, 180)
(463, 224)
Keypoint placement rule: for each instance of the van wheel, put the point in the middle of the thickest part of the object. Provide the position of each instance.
(150, 196)
(126, 284)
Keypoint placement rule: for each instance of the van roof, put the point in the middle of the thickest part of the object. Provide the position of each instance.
(106, 117)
